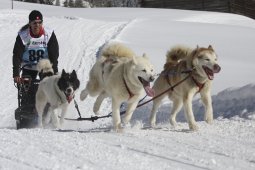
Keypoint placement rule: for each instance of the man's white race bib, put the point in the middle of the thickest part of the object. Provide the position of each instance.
(35, 48)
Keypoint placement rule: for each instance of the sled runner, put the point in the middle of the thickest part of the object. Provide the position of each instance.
(26, 115)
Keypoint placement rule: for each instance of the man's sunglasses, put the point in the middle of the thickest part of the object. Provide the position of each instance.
(37, 22)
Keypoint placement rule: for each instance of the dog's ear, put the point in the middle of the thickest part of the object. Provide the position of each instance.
(134, 60)
(194, 52)
(75, 79)
(210, 48)
(145, 56)
(73, 74)
(63, 72)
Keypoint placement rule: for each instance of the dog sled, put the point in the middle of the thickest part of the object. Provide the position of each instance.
(26, 115)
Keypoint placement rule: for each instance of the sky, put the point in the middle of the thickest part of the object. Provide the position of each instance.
(226, 144)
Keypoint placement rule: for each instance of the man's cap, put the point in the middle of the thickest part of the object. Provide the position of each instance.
(35, 15)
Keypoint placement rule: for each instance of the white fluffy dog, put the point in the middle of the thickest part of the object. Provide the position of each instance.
(123, 77)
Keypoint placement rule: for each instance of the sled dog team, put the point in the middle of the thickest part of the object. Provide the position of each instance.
(124, 77)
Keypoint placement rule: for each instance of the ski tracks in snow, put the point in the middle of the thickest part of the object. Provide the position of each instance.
(78, 48)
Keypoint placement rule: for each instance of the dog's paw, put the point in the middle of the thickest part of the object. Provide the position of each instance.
(209, 121)
(173, 122)
(153, 124)
(97, 113)
(125, 121)
(83, 95)
(118, 128)
(152, 121)
(126, 126)
(193, 127)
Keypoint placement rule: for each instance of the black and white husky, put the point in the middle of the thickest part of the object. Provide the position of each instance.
(58, 91)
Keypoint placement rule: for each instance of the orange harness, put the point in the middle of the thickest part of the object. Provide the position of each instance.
(199, 85)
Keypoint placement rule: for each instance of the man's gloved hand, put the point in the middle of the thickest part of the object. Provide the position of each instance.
(17, 79)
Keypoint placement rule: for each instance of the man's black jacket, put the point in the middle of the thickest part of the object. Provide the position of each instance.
(19, 48)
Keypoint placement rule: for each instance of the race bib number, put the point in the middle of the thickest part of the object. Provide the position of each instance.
(32, 56)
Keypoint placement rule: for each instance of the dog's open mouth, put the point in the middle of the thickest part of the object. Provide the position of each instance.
(69, 97)
(146, 85)
(209, 72)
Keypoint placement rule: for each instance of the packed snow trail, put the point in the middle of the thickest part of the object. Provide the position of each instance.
(213, 147)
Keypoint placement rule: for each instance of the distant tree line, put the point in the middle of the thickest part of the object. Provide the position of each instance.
(88, 3)
(115, 3)
(76, 4)
(67, 3)
(49, 2)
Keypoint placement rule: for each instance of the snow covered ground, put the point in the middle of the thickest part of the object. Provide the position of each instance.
(227, 144)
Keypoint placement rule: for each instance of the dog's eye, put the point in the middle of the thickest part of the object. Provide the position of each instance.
(144, 70)
(206, 59)
(151, 70)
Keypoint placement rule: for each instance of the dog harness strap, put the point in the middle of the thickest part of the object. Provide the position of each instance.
(166, 76)
(129, 92)
(168, 80)
(199, 85)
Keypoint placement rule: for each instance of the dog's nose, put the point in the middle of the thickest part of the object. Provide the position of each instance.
(216, 68)
(69, 90)
(152, 78)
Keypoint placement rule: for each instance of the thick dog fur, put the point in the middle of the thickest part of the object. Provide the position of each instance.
(203, 63)
(44, 68)
(57, 91)
(123, 77)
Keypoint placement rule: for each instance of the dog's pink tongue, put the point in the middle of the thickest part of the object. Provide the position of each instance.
(69, 98)
(149, 91)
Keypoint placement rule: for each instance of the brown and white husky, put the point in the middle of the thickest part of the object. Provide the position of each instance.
(202, 62)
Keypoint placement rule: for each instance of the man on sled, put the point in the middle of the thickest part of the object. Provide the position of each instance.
(33, 43)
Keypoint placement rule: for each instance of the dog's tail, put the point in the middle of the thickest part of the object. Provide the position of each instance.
(117, 50)
(176, 54)
(44, 67)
